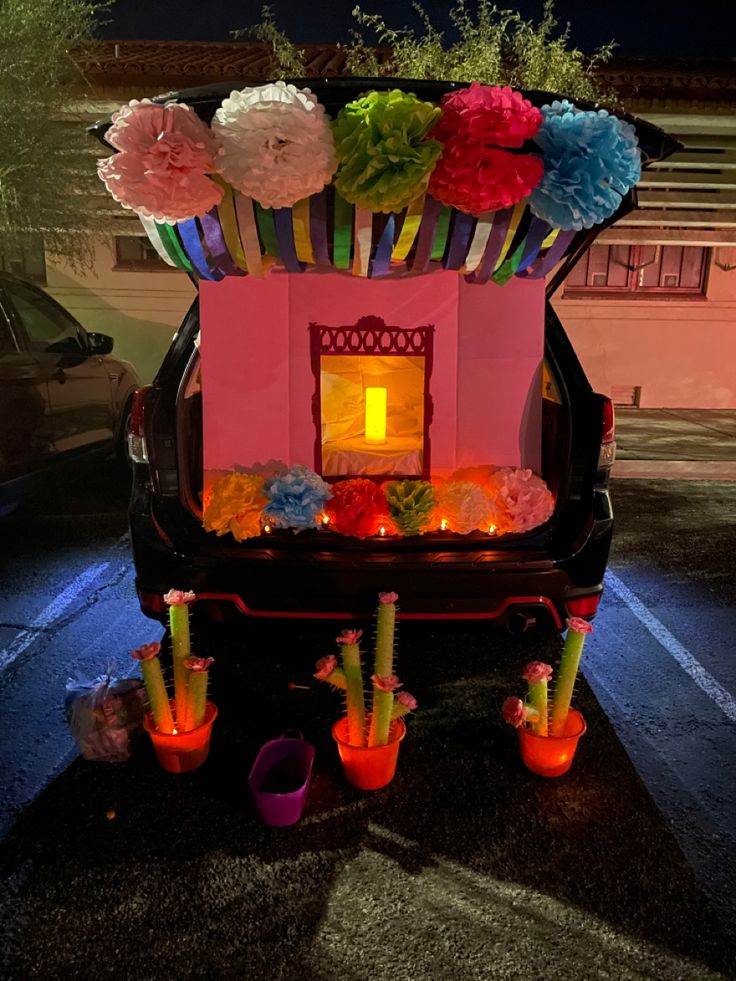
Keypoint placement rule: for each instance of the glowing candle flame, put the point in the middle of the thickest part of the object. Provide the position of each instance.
(267, 529)
(443, 524)
(382, 531)
(491, 529)
(325, 519)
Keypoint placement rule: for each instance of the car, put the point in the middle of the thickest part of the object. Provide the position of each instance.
(62, 397)
(540, 577)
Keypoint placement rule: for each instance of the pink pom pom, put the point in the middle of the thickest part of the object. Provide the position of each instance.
(579, 625)
(146, 652)
(325, 667)
(537, 671)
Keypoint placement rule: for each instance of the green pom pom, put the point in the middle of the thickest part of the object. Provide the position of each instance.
(385, 162)
(411, 503)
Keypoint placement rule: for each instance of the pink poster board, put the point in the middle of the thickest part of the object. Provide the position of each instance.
(257, 381)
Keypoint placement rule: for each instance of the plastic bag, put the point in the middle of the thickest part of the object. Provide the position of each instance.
(104, 714)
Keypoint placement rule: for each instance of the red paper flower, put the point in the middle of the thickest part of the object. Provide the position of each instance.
(358, 507)
(475, 178)
(488, 114)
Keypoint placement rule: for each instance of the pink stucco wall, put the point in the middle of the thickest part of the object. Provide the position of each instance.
(681, 353)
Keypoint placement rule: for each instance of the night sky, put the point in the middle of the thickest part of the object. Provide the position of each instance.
(655, 28)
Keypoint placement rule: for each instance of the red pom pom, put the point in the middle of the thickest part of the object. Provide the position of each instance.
(488, 114)
(358, 508)
(474, 178)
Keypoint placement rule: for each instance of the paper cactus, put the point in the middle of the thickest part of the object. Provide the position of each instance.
(190, 673)
(577, 630)
(387, 702)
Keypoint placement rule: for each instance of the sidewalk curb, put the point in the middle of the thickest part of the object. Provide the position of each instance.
(675, 469)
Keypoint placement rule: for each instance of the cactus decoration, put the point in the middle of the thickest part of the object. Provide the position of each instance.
(387, 702)
(191, 674)
(535, 711)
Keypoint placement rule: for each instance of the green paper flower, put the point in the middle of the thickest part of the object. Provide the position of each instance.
(385, 161)
(411, 503)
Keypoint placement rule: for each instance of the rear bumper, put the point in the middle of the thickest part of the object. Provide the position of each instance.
(435, 583)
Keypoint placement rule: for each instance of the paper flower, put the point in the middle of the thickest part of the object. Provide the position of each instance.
(513, 711)
(146, 652)
(463, 505)
(519, 500)
(385, 158)
(475, 178)
(199, 664)
(406, 699)
(410, 503)
(537, 671)
(358, 508)
(349, 637)
(579, 625)
(488, 114)
(590, 160)
(235, 505)
(276, 144)
(387, 598)
(325, 666)
(296, 498)
(165, 153)
(387, 683)
(177, 597)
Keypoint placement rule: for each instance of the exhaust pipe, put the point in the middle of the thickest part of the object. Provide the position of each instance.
(518, 623)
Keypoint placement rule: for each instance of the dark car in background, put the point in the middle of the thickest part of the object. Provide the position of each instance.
(62, 397)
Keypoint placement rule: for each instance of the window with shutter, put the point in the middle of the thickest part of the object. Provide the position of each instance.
(626, 270)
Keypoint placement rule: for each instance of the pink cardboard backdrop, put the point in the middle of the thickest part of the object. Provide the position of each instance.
(257, 382)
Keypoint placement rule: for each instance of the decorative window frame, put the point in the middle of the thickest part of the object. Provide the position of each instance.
(371, 336)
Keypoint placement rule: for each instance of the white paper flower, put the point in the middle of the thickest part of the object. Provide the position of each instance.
(276, 144)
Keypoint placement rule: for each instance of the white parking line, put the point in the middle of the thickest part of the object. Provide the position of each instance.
(689, 664)
(56, 607)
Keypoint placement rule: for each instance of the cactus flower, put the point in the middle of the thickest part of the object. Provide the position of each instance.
(199, 663)
(388, 597)
(406, 699)
(513, 712)
(146, 651)
(579, 625)
(387, 683)
(349, 637)
(178, 597)
(537, 671)
(325, 666)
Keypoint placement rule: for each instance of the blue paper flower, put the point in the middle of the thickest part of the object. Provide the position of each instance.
(297, 496)
(590, 160)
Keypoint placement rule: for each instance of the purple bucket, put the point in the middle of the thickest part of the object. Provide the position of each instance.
(279, 779)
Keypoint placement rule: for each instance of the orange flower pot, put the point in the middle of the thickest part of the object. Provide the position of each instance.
(182, 751)
(369, 767)
(551, 756)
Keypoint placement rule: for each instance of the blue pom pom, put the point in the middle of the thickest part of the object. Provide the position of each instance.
(590, 160)
(297, 497)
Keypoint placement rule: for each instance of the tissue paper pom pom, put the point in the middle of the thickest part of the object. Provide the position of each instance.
(296, 498)
(358, 508)
(385, 162)
(474, 178)
(519, 499)
(235, 505)
(590, 159)
(463, 505)
(410, 504)
(488, 114)
(165, 153)
(276, 144)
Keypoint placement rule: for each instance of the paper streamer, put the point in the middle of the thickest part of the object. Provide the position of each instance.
(457, 248)
(173, 245)
(440, 235)
(229, 222)
(249, 235)
(496, 240)
(283, 224)
(215, 242)
(266, 230)
(538, 231)
(318, 229)
(514, 245)
(480, 240)
(151, 229)
(553, 256)
(302, 232)
(409, 229)
(427, 230)
(363, 237)
(342, 233)
(190, 237)
(382, 259)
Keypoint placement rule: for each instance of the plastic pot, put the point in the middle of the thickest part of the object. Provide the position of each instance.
(551, 756)
(181, 752)
(279, 779)
(369, 767)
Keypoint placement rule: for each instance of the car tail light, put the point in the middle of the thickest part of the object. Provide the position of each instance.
(152, 604)
(137, 434)
(583, 606)
(607, 452)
